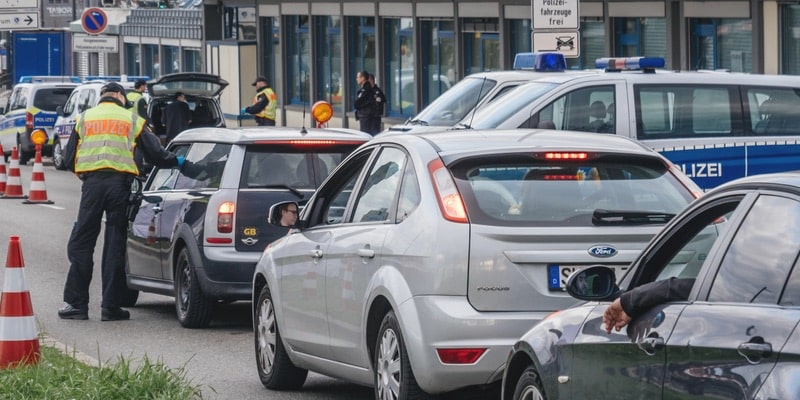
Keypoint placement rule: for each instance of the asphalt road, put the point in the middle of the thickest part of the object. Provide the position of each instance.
(220, 358)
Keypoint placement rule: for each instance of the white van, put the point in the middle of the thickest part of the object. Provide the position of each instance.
(717, 126)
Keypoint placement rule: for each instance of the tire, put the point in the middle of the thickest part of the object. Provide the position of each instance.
(193, 309)
(58, 156)
(529, 386)
(275, 369)
(394, 379)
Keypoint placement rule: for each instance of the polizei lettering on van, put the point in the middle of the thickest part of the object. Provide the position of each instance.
(702, 170)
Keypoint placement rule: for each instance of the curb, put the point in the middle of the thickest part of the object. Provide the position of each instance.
(69, 351)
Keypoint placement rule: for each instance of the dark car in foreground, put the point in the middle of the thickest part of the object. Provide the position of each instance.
(200, 229)
(736, 335)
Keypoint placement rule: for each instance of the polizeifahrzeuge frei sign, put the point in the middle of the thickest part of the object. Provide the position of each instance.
(555, 26)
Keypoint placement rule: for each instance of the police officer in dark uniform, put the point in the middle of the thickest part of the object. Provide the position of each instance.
(101, 152)
(365, 104)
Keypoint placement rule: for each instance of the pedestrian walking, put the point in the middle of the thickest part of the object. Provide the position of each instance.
(365, 104)
(100, 152)
(177, 116)
(265, 104)
(380, 104)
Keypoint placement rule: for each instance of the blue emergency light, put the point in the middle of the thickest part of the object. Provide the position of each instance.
(629, 63)
(115, 78)
(543, 62)
(48, 78)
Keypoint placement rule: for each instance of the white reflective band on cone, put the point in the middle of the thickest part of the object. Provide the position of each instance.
(15, 280)
(18, 328)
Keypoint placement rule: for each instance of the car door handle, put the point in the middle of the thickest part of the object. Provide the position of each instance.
(651, 343)
(755, 350)
(366, 253)
(316, 254)
(157, 209)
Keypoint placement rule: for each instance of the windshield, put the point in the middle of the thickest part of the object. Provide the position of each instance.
(455, 103)
(497, 112)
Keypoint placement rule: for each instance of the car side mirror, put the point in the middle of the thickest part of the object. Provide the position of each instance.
(595, 283)
(275, 213)
(60, 111)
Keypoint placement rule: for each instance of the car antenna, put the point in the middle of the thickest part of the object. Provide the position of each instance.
(303, 129)
(475, 107)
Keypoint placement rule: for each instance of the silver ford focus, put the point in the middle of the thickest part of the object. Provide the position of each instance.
(422, 259)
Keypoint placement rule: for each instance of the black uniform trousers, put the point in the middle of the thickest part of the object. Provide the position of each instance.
(102, 192)
(260, 121)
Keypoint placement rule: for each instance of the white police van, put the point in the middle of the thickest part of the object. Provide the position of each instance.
(716, 126)
(478, 89)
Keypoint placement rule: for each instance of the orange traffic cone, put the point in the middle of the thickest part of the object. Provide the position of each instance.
(37, 193)
(3, 176)
(14, 184)
(19, 340)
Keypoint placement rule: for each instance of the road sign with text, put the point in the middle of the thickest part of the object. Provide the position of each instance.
(555, 14)
(19, 20)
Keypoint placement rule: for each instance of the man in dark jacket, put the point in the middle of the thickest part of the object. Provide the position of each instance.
(177, 116)
(101, 152)
(365, 104)
(380, 103)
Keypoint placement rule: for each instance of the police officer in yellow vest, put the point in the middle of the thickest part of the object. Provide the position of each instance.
(136, 99)
(101, 152)
(264, 105)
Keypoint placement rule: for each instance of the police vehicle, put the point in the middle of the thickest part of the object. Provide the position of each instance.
(716, 126)
(476, 90)
(32, 105)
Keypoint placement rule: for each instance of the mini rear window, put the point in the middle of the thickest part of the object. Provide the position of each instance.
(49, 99)
(522, 191)
(296, 167)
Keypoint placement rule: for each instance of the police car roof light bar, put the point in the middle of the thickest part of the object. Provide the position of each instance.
(541, 61)
(629, 63)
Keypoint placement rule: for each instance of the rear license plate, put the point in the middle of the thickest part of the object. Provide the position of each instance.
(557, 275)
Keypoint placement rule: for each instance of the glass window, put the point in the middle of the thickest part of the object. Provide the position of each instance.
(283, 165)
(497, 112)
(71, 103)
(239, 23)
(409, 194)
(790, 39)
(746, 276)
(438, 58)
(721, 44)
(676, 111)
(481, 44)
(519, 33)
(271, 51)
(773, 111)
(791, 295)
(205, 163)
(132, 64)
(515, 190)
(379, 190)
(332, 199)
(164, 178)
(361, 50)
(329, 61)
(192, 60)
(172, 59)
(48, 99)
(152, 66)
(399, 45)
(593, 43)
(298, 62)
(454, 104)
(640, 37)
(580, 110)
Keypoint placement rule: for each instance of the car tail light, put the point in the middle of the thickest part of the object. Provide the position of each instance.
(460, 356)
(311, 142)
(225, 217)
(450, 202)
(566, 156)
(29, 120)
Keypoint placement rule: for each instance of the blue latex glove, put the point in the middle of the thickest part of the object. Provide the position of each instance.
(244, 110)
(180, 159)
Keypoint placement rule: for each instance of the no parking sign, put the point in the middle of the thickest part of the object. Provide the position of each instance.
(94, 20)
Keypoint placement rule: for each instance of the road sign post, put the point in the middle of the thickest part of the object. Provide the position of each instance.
(556, 26)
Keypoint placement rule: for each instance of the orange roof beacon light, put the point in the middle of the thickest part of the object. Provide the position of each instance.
(38, 137)
(322, 112)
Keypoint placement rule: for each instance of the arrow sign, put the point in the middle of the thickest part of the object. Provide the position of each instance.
(19, 20)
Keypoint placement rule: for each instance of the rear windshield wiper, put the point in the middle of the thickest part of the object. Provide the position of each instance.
(461, 125)
(418, 122)
(623, 217)
(287, 187)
